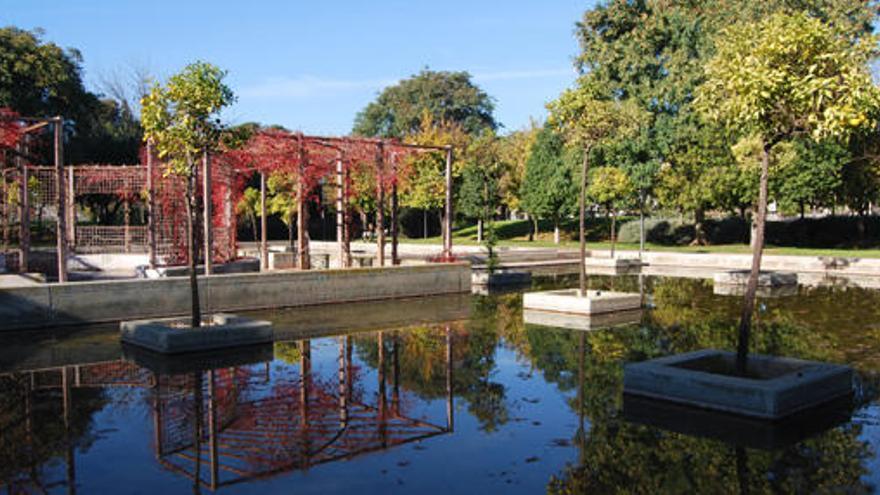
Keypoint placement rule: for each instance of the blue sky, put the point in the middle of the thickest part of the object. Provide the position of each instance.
(312, 65)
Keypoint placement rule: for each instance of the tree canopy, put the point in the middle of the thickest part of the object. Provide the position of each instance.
(450, 97)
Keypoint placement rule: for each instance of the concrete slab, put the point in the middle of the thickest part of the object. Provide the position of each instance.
(507, 278)
(765, 278)
(582, 322)
(774, 388)
(8, 281)
(569, 301)
(227, 330)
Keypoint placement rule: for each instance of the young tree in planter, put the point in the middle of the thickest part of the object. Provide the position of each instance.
(181, 120)
(479, 195)
(611, 188)
(786, 76)
(590, 119)
(548, 189)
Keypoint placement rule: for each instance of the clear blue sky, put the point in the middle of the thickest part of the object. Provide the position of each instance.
(312, 65)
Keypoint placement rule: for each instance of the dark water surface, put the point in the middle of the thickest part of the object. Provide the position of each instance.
(442, 395)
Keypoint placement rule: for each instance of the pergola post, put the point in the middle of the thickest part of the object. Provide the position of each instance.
(395, 220)
(447, 216)
(380, 204)
(60, 202)
(340, 222)
(450, 391)
(151, 208)
(24, 224)
(302, 223)
(71, 209)
(208, 216)
(264, 240)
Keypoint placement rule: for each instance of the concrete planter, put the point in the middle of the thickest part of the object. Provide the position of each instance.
(775, 387)
(227, 331)
(765, 279)
(501, 278)
(568, 301)
(739, 431)
(165, 364)
(582, 322)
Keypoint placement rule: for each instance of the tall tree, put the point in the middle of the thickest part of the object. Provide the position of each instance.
(654, 52)
(590, 118)
(786, 76)
(548, 189)
(447, 96)
(181, 120)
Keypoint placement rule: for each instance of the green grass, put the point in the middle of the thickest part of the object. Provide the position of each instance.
(514, 233)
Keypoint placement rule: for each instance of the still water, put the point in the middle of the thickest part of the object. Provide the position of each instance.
(442, 395)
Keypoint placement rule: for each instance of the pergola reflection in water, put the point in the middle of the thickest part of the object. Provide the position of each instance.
(230, 423)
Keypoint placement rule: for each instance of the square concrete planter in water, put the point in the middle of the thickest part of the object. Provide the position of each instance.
(173, 336)
(501, 278)
(570, 301)
(775, 387)
(582, 322)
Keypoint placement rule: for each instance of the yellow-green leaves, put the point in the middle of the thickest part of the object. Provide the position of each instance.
(588, 119)
(790, 74)
(609, 186)
(180, 118)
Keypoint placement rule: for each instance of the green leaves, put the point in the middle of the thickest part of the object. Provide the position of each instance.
(180, 118)
(791, 74)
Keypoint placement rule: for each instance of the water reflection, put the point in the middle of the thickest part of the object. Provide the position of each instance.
(501, 403)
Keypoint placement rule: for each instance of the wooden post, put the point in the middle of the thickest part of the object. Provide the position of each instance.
(213, 431)
(208, 214)
(302, 217)
(395, 219)
(228, 219)
(380, 204)
(60, 203)
(450, 418)
(151, 208)
(264, 240)
(126, 230)
(340, 221)
(24, 223)
(346, 218)
(447, 217)
(71, 210)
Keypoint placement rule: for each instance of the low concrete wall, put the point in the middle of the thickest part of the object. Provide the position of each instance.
(91, 302)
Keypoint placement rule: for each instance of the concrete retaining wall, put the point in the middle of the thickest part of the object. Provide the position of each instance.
(91, 302)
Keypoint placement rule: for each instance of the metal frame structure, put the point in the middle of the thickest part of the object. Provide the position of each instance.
(316, 158)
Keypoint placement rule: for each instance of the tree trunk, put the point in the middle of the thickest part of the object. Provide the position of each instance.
(582, 275)
(535, 232)
(699, 227)
(745, 323)
(424, 224)
(613, 232)
(192, 209)
(641, 225)
(480, 230)
(556, 230)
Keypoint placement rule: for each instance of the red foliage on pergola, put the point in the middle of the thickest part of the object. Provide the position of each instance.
(10, 128)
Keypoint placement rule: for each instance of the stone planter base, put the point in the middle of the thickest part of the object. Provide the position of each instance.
(581, 322)
(238, 266)
(739, 431)
(501, 278)
(197, 361)
(568, 301)
(227, 331)
(775, 387)
(765, 279)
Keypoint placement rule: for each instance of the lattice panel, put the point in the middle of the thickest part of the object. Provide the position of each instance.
(114, 238)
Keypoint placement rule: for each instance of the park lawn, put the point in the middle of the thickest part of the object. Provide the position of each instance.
(515, 234)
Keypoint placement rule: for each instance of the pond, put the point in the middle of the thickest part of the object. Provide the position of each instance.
(454, 394)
